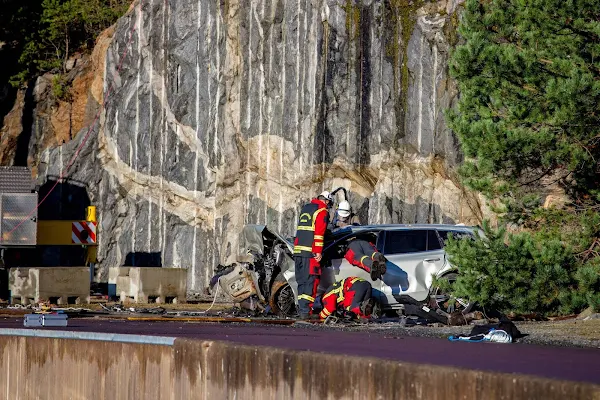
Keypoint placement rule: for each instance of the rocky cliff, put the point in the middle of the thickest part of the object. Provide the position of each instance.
(223, 113)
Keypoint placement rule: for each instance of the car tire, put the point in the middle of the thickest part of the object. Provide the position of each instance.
(439, 299)
(282, 299)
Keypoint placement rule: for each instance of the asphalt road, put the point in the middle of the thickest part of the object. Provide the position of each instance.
(576, 364)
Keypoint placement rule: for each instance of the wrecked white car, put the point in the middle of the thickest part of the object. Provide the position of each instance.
(415, 255)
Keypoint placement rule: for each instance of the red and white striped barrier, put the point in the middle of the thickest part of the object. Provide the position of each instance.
(83, 232)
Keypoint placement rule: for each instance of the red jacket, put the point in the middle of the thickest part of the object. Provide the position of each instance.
(363, 259)
(321, 221)
(341, 295)
(310, 233)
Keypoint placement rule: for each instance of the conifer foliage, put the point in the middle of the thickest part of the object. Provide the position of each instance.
(529, 77)
(528, 117)
(48, 32)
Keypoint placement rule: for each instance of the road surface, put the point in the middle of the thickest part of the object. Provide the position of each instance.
(576, 364)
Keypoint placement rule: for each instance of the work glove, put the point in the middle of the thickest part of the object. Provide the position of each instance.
(378, 269)
(374, 272)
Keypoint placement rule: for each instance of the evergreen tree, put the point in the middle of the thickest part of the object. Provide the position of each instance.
(62, 27)
(513, 273)
(529, 78)
(528, 116)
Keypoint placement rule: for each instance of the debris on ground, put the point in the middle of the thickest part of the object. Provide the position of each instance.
(502, 332)
(19, 307)
(120, 308)
(493, 335)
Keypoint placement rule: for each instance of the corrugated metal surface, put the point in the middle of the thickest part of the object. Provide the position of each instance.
(17, 227)
(15, 180)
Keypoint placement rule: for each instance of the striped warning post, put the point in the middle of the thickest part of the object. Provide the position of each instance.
(83, 232)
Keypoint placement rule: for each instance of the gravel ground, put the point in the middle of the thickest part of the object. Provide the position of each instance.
(570, 333)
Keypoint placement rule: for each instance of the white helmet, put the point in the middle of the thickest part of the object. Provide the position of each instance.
(344, 209)
(326, 195)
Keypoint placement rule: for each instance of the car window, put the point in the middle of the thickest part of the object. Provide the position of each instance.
(433, 243)
(455, 234)
(338, 248)
(405, 241)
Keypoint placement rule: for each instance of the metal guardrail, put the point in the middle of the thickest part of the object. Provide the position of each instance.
(106, 337)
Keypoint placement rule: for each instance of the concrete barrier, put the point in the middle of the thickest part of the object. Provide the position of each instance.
(59, 285)
(54, 368)
(148, 284)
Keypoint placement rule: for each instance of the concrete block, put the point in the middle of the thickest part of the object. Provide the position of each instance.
(149, 284)
(59, 285)
(109, 367)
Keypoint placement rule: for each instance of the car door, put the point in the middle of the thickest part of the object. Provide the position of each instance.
(414, 257)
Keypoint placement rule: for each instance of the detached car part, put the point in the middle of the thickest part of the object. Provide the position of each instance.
(266, 270)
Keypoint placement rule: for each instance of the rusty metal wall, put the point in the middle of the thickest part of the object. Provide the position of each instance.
(48, 368)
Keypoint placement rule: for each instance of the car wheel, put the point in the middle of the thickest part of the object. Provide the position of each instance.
(447, 303)
(282, 300)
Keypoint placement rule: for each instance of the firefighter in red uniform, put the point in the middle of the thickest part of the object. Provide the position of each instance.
(364, 255)
(351, 295)
(308, 249)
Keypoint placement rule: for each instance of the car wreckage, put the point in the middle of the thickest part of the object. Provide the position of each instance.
(264, 277)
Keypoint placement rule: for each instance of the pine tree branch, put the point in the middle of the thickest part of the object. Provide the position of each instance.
(545, 173)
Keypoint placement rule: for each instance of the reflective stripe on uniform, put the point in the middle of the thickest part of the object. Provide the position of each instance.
(333, 291)
(305, 217)
(373, 255)
(298, 249)
(306, 297)
(326, 312)
(315, 217)
(318, 244)
(362, 258)
(322, 315)
(356, 280)
(305, 232)
(319, 237)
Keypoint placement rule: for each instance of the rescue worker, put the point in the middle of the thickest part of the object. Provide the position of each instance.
(308, 249)
(350, 297)
(343, 217)
(364, 255)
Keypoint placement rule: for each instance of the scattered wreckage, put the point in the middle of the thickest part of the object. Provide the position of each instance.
(264, 276)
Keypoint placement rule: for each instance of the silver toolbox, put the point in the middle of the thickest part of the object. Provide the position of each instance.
(54, 320)
(32, 320)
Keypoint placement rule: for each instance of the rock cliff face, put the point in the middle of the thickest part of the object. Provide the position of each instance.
(224, 113)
